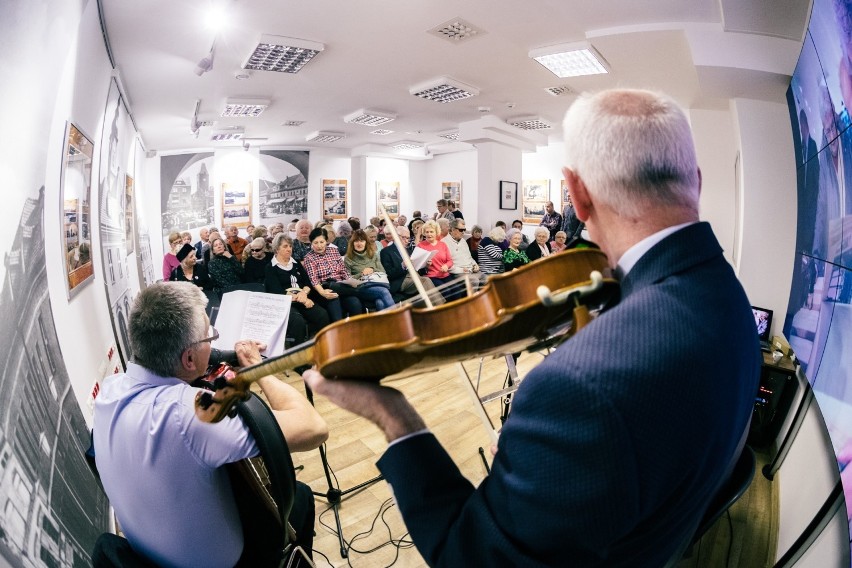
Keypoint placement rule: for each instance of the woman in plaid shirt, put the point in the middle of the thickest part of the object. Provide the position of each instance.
(325, 270)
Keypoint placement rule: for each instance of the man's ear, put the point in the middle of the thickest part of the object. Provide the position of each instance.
(579, 194)
(187, 359)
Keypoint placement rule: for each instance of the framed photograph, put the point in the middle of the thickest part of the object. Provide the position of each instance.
(335, 197)
(236, 204)
(75, 192)
(508, 194)
(451, 191)
(387, 195)
(535, 194)
(564, 196)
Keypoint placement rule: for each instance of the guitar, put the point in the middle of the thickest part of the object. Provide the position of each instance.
(264, 486)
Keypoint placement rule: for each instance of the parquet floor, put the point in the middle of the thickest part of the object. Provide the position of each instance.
(372, 525)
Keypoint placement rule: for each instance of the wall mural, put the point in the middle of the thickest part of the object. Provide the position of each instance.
(116, 143)
(283, 185)
(51, 506)
(186, 194)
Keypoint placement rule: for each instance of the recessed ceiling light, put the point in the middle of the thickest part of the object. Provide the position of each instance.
(282, 54)
(530, 123)
(407, 145)
(293, 123)
(456, 30)
(382, 132)
(249, 108)
(571, 59)
(324, 136)
(451, 135)
(228, 134)
(369, 117)
(443, 90)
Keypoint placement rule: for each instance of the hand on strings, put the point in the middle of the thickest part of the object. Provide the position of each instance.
(248, 352)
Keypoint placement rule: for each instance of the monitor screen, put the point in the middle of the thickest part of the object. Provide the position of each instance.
(763, 321)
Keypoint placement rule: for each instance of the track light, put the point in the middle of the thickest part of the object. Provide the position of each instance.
(205, 64)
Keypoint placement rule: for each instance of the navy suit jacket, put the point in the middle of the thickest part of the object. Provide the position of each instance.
(394, 267)
(616, 442)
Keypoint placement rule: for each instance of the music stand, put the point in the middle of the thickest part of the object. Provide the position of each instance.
(335, 495)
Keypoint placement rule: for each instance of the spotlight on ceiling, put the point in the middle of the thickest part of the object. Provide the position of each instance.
(571, 59)
(369, 117)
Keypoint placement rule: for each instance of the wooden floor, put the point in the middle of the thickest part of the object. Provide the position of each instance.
(372, 526)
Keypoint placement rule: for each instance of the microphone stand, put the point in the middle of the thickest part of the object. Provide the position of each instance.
(334, 496)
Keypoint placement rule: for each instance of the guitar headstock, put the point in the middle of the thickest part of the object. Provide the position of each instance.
(223, 388)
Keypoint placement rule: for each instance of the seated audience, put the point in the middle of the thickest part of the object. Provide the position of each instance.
(326, 271)
(224, 268)
(474, 240)
(202, 244)
(400, 279)
(539, 248)
(190, 270)
(373, 235)
(235, 242)
(490, 252)
(259, 256)
(161, 467)
(438, 268)
(354, 222)
(302, 242)
(286, 275)
(519, 225)
(514, 257)
(558, 242)
(362, 261)
(186, 236)
(464, 267)
(344, 232)
(170, 260)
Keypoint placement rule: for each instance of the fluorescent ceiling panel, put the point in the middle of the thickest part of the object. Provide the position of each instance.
(368, 117)
(282, 54)
(245, 108)
(324, 136)
(571, 59)
(443, 90)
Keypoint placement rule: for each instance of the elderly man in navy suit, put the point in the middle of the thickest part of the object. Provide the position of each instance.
(619, 439)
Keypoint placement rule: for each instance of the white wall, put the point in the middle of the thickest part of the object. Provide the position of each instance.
(83, 323)
(768, 239)
(327, 164)
(459, 166)
(496, 162)
(385, 169)
(716, 149)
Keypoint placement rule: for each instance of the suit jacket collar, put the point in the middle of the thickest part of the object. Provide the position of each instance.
(680, 251)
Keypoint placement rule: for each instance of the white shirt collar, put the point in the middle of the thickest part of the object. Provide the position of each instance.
(632, 255)
(288, 266)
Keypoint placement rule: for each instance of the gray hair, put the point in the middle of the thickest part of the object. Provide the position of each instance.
(512, 232)
(633, 149)
(539, 230)
(344, 229)
(497, 234)
(443, 222)
(166, 319)
(454, 224)
(279, 240)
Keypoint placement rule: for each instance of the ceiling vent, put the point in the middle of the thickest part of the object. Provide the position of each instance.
(382, 132)
(451, 135)
(324, 136)
(368, 117)
(245, 108)
(456, 30)
(530, 123)
(443, 90)
(229, 134)
(559, 91)
(407, 145)
(282, 54)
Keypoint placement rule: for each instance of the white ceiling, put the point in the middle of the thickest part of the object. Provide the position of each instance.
(376, 49)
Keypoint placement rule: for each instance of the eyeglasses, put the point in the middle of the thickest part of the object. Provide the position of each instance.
(214, 335)
(460, 228)
(256, 250)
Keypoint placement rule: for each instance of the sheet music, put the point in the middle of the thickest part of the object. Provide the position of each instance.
(253, 315)
(420, 256)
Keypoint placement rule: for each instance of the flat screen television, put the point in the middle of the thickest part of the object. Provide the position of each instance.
(763, 322)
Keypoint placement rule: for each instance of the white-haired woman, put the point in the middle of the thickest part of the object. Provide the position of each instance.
(489, 254)
(539, 248)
